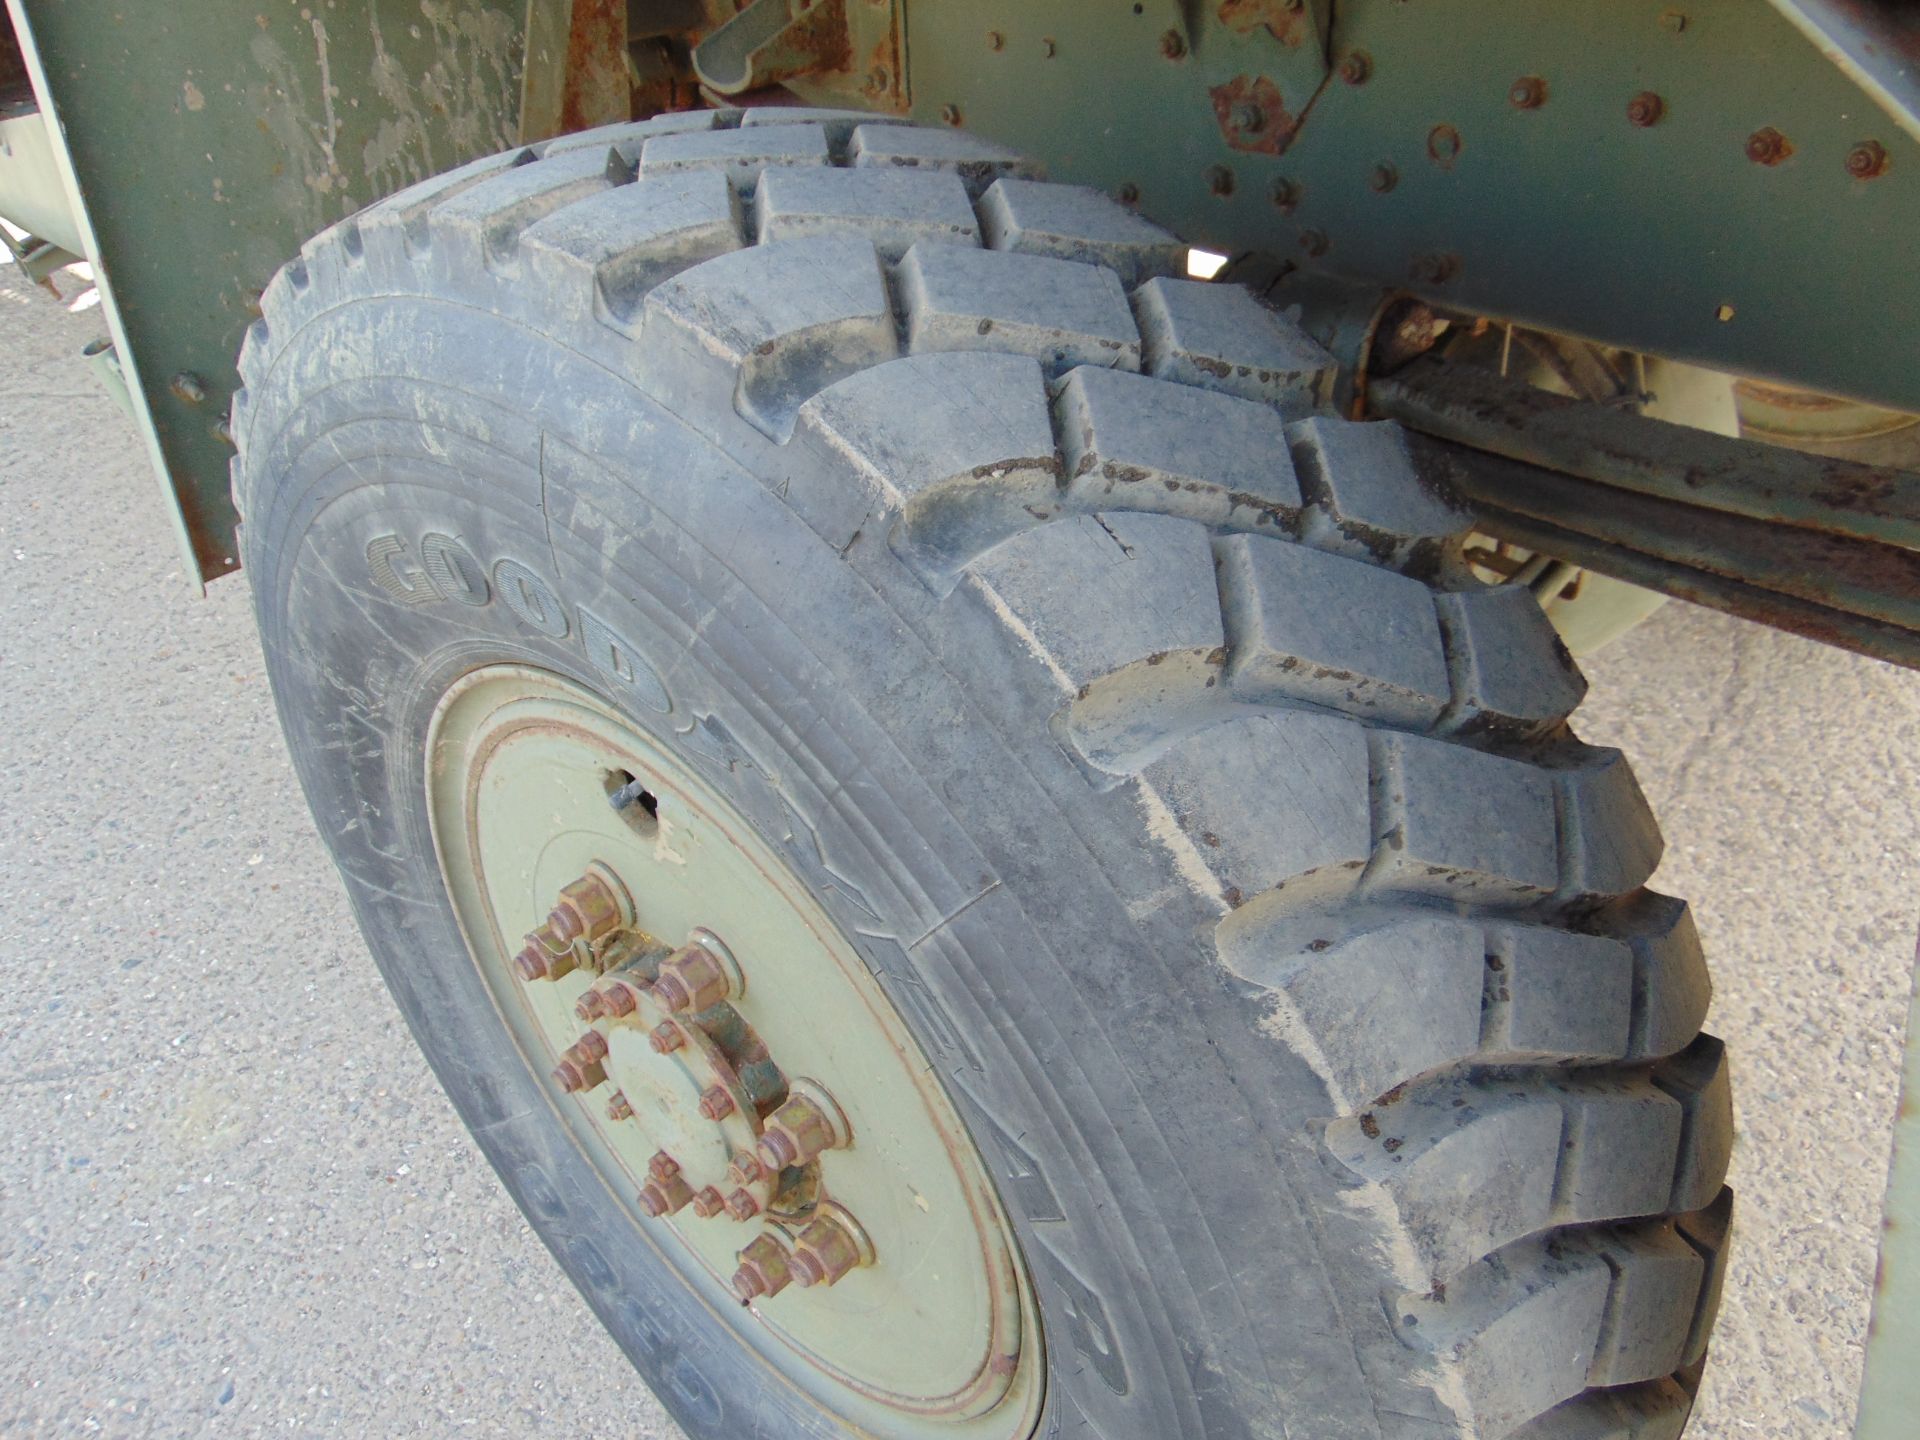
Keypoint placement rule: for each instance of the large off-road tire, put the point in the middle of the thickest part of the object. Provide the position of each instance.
(1220, 839)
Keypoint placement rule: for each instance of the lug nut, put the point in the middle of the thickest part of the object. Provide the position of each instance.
(619, 1107)
(1356, 68)
(588, 910)
(695, 977)
(742, 1206)
(664, 1197)
(580, 1067)
(809, 1123)
(665, 1038)
(1529, 92)
(746, 1169)
(764, 1269)
(715, 1103)
(662, 1167)
(1867, 160)
(1767, 146)
(708, 1203)
(829, 1250)
(1645, 109)
(542, 959)
(612, 999)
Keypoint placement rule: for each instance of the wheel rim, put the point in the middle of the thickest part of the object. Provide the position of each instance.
(720, 1052)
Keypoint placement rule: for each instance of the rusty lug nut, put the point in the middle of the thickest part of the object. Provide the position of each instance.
(665, 1197)
(588, 910)
(715, 1103)
(573, 1076)
(828, 1250)
(1284, 193)
(1867, 160)
(741, 1205)
(590, 1047)
(1767, 146)
(619, 1107)
(764, 1269)
(1383, 178)
(1219, 180)
(1173, 45)
(1249, 118)
(1443, 144)
(189, 387)
(662, 1167)
(665, 1038)
(746, 1169)
(707, 1202)
(995, 40)
(612, 999)
(693, 978)
(1356, 68)
(540, 960)
(1645, 109)
(1314, 242)
(808, 1124)
(950, 114)
(1529, 92)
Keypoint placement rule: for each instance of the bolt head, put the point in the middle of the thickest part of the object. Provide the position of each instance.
(1314, 242)
(1645, 109)
(741, 1205)
(662, 1166)
(664, 1197)
(746, 1169)
(1383, 178)
(1219, 180)
(1249, 118)
(764, 1268)
(1443, 143)
(1128, 194)
(1173, 44)
(1867, 160)
(827, 1252)
(189, 387)
(1284, 193)
(1767, 146)
(715, 1103)
(707, 1203)
(1356, 68)
(665, 1038)
(619, 1107)
(995, 40)
(1529, 92)
(950, 114)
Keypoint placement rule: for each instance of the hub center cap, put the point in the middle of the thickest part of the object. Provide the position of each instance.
(722, 1053)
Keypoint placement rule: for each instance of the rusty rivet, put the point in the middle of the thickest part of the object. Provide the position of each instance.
(1767, 146)
(1173, 45)
(1314, 242)
(1128, 194)
(1867, 160)
(741, 1205)
(1383, 178)
(189, 387)
(1443, 144)
(619, 1107)
(950, 114)
(1529, 92)
(707, 1203)
(715, 1103)
(1284, 193)
(1356, 68)
(1645, 109)
(764, 1269)
(665, 1038)
(995, 40)
(1219, 180)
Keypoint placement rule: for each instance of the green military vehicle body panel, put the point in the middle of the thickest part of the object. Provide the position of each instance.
(209, 139)
(1542, 203)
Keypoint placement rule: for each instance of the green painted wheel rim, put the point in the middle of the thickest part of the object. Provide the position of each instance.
(937, 1334)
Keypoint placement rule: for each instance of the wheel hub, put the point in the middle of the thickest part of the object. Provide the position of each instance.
(722, 1053)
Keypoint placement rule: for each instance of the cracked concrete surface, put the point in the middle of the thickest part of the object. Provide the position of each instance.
(233, 1203)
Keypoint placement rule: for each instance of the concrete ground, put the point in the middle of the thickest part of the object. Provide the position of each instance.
(233, 1203)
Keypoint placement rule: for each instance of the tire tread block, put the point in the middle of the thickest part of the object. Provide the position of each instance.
(1074, 222)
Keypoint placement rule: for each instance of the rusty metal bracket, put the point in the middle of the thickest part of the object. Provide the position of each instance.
(772, 41)
(575, 73)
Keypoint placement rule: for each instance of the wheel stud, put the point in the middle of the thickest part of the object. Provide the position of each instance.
(696, 976)
(665, 1038)
(808, 1124)
(763, 1269)
(707, 1203)
(715, 1103)
(829, 1250)
(665, 1197)
(742, 1206)
(619, 1107)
